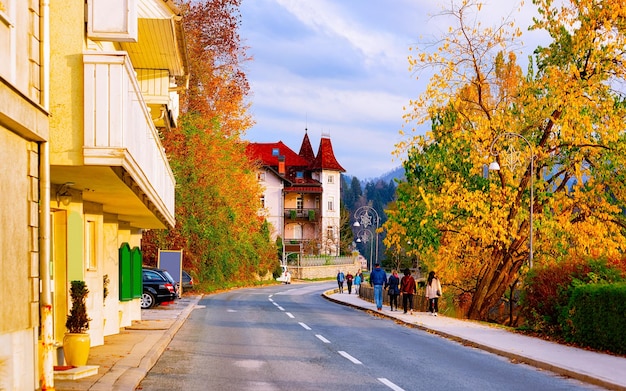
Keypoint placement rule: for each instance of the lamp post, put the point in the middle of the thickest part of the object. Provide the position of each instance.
(365, 235)
(363, 217)
(512, 161)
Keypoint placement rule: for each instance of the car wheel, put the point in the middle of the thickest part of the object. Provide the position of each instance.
(147, 300)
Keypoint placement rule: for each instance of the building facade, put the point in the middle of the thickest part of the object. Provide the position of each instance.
(86, 91)
(301, 196)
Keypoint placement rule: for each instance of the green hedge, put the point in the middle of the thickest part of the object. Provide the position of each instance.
(596, 316)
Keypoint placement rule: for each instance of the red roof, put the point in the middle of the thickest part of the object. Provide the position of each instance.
(264, 152)
(306, 151)
(325, 159)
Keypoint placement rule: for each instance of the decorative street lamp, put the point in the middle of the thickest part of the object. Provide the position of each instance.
(364, 236)
(364, 217)
(511, 161)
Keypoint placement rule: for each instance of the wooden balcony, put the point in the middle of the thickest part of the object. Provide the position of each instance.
(304, 214)
(119, 132)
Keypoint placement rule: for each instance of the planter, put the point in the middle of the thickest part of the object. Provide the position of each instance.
(76, 348)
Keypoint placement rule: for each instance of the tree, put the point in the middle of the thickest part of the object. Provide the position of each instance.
(475, 231)
(217, 194)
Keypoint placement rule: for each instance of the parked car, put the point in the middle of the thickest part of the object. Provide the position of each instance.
(285, 276)
(187, 281)
(158, 287)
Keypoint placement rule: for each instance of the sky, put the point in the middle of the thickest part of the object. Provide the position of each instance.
(339, 68)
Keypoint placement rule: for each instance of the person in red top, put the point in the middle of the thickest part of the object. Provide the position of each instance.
(407, 290)
(349, 278)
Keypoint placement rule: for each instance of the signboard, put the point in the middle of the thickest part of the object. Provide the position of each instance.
(172, 261)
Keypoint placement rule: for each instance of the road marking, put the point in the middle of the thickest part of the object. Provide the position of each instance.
(289, 315)
(229, 310)
(276, 304)
(305, 326)
(322, 338)
(272, 300)
(349, 357)
(389, 384)
(280, 308)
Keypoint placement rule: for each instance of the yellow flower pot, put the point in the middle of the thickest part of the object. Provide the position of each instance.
(76, 349)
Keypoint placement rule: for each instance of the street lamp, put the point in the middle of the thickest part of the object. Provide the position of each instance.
(363, 217)
(512, 161)
(364, 236)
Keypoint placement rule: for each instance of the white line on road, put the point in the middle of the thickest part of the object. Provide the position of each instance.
(389, 384)
(305, 326)
(322, 338)
(289, 315)
(280, 308)
(276, 304)
(349, 357)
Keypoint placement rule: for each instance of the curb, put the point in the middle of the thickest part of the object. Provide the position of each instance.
(131, 377)
(503, 353)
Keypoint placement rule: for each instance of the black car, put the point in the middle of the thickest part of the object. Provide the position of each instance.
(158, 287)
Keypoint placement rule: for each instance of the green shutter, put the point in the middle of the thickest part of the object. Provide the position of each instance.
(137, 281)
(125, 273)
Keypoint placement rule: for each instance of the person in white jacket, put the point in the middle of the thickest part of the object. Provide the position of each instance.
(433, 292)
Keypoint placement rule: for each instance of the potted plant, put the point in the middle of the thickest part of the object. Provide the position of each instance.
(76, 342)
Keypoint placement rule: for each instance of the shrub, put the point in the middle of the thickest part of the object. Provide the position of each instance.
(549, 288)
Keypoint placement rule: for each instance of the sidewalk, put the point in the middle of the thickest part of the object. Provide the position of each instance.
(125, 358)
(594, 368)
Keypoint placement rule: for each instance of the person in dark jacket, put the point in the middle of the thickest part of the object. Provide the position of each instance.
(407, 290)
(378, 278)
(392, 289)
(340, 279)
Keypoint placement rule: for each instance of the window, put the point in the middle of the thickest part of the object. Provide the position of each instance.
(299, 175)
(330, 233)
(260, 176)
(331, 179)
(317, 202)
(262, 201)
(90, 245)
(299, 202)
(275, 152)
(331, 203)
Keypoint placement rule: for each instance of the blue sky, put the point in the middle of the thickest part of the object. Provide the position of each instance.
(339, 68)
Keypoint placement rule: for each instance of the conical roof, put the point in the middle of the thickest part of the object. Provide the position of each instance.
(325, 159)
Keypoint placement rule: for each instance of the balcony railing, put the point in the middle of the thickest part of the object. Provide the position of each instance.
(119, 130)
(310, 214)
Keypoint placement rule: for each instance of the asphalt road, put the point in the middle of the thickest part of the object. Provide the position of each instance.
(288, 337)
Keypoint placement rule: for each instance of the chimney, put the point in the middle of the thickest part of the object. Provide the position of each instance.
(281, 165)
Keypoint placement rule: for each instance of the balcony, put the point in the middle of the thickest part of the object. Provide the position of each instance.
(119, 133)
(303, 214)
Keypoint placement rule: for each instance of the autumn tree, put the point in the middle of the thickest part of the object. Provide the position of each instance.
(223, 238)
(474, 228)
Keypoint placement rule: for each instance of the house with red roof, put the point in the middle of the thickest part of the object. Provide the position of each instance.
(301, 194)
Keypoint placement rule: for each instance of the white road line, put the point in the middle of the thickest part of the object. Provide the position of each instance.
(289, 315)
(305, 326)
(389, 384)
(280, 308)
(276, 304)
(322, 338)
(349, 357)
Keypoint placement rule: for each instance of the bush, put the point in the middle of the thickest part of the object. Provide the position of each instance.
(545, 301)
(596, 316)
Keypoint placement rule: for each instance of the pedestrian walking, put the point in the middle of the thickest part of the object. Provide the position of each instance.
(378, 278)
(393, 290)
(433, 292)
(407, 290)
(340, 279)
(349, 278)
(357, 282)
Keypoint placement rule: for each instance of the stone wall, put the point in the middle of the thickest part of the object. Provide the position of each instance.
(324, 271)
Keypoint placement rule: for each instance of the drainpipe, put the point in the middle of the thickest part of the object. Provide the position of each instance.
(45, 296)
